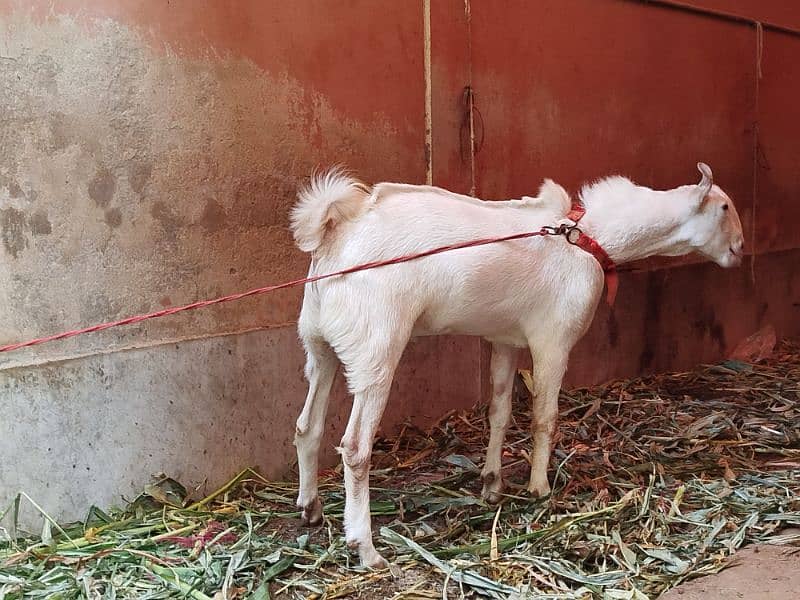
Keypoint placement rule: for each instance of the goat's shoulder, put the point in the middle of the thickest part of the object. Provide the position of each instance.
(551, 196)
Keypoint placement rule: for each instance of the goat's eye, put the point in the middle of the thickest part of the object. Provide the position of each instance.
(724, 207)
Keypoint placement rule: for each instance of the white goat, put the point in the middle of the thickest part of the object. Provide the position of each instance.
(540, 293)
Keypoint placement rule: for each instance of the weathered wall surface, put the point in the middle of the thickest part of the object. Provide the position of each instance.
(150, 152)
(135, 178)
(91, 431)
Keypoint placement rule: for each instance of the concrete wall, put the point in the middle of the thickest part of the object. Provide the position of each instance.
(150, 154)
(150, 151)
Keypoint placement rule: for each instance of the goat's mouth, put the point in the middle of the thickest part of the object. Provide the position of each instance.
(734, 258)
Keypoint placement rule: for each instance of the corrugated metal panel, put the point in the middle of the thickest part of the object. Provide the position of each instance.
(451, 73)
(778, 206)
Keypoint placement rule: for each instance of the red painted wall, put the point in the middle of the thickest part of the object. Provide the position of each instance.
(578, 89)
(567, 89)
(775, 12)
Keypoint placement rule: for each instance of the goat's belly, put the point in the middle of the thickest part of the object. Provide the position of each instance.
(495, 330)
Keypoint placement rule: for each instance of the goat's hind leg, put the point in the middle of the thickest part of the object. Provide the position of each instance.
(321, 365)
(356, 450)
(370, 376)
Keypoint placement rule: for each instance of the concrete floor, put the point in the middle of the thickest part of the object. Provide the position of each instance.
(759, 573)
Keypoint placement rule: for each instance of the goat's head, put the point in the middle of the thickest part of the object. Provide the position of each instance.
(714, 230)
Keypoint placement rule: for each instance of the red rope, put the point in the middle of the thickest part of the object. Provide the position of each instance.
(269, 288)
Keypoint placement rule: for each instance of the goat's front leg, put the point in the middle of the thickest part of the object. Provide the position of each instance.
(502, 367)
(549, 366)
(356, 450)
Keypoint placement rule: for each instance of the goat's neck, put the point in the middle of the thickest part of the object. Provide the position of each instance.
(649, 224)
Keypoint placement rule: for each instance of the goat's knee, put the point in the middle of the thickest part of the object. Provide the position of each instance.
(307, 426)
(307, 435)
(355, 456)
(300, 429)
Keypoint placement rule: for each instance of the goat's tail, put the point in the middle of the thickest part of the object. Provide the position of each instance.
(329, 199)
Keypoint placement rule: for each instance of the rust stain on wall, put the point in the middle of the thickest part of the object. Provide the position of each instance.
(162, 174)
(349, 53)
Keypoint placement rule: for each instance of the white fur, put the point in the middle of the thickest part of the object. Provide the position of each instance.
(540, 293)
(330, 198)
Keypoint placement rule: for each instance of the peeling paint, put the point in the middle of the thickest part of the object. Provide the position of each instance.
(13, 226)
(213, 218)
(113, 217)
(14, 190)
(39, 223)
(139, 175)
(101, 188)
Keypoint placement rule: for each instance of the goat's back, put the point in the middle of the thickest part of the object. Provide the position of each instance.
(487, 290)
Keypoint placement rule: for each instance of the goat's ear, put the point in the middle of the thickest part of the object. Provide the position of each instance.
(707, 180)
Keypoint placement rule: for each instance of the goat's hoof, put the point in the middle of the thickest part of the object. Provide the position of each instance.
(492, 491)
(492, 498)
(368, 555)
(539, 491)
(373, 560)
(311, 514)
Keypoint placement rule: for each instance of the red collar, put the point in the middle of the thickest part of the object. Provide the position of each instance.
(591, 246)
